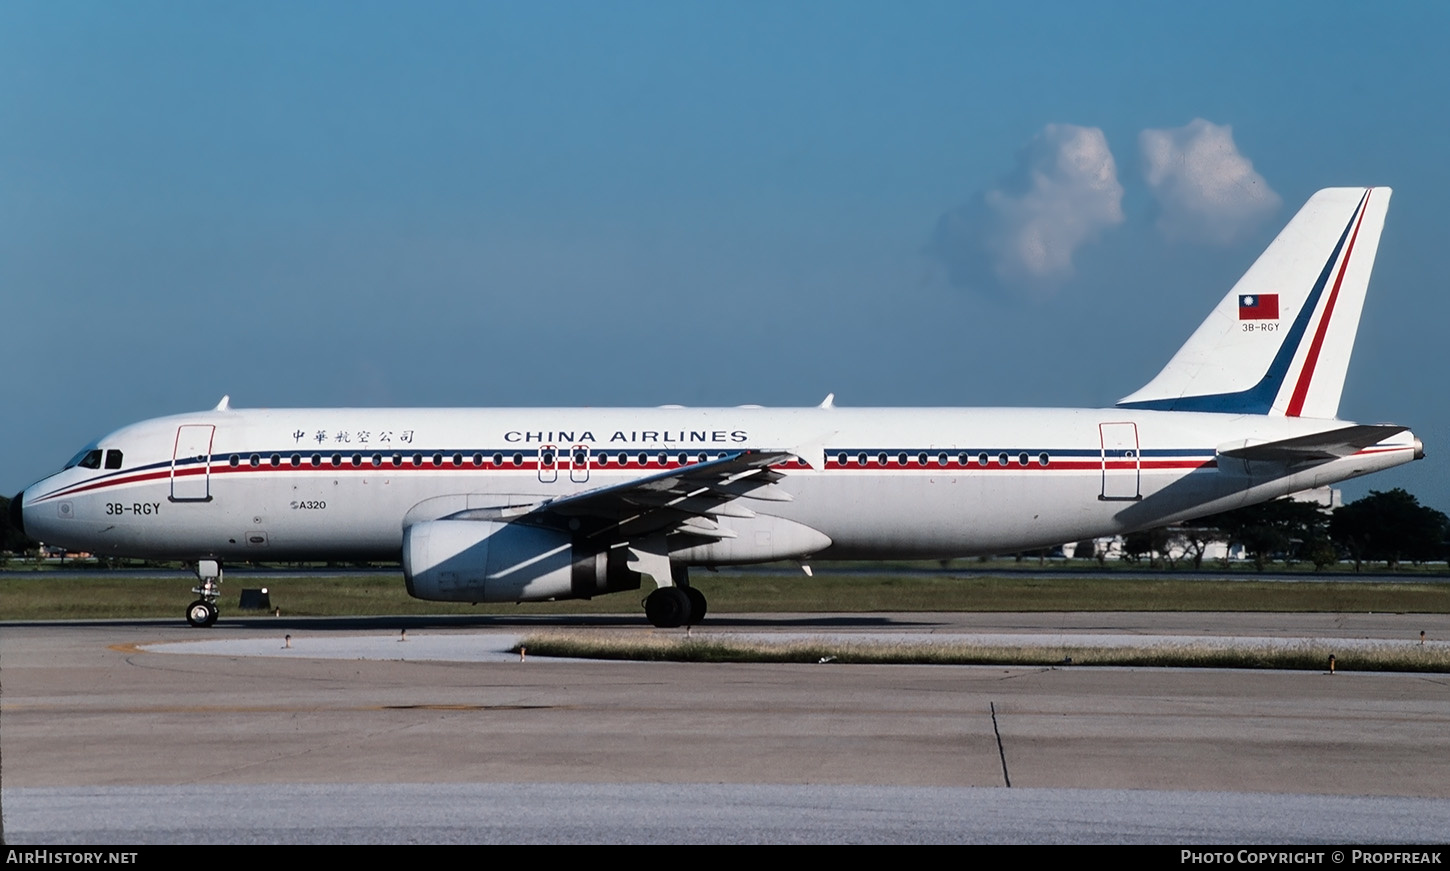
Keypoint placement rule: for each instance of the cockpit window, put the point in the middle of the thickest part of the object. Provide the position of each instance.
(88, 458)
(113, 459)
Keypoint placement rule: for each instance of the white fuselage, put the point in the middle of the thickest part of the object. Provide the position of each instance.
(295, 484)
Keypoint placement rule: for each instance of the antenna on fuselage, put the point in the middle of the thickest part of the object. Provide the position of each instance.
(225, 404)
(828, 402)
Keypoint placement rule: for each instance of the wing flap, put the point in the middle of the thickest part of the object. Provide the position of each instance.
(693, 503)
(613, 500)
(687, 500)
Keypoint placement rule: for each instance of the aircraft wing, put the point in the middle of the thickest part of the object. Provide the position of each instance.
(1330, 445)
(684, 500)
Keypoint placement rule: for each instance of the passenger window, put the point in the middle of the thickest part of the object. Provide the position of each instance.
(113, 459)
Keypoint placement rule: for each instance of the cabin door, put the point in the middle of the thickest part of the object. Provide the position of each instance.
(548, 463)
(1122, 466)
(191, 463)
(579, 464)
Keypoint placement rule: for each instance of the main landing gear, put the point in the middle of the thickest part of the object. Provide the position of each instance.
(203, 612)
(676, 604)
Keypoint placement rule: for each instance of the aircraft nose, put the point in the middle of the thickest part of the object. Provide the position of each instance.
(17, 519)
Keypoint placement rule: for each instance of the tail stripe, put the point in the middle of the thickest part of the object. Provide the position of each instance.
(1306, 375)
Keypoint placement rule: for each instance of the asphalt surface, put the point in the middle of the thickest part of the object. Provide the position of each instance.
(151, 732)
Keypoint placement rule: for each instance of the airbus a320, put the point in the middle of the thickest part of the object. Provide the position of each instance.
(516, 505)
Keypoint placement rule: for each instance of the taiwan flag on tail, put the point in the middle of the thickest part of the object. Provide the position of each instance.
(1258, 307)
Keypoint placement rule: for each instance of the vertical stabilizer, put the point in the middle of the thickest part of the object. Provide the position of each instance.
(1279, 342)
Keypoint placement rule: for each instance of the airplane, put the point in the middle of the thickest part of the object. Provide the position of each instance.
(532, 504)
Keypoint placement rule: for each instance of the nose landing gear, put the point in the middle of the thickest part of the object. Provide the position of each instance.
(203, 612)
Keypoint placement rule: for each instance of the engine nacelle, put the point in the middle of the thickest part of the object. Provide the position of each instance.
(489, 561)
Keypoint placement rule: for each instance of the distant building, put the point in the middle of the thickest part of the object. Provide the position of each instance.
(1327, 498)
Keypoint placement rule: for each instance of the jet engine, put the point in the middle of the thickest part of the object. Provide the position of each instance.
(490, 561)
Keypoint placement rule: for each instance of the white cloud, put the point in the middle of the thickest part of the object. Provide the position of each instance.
(1206, 190)
(1022, 234)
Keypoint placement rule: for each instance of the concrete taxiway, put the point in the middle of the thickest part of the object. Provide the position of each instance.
(150, 731)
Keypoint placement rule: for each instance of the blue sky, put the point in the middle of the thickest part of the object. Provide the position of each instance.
(701, 203)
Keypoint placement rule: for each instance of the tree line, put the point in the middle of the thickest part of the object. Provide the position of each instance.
(11, 539)
(1386, 526)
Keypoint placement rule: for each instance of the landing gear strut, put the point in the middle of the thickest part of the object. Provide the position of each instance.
(677, 603)
(203, 612)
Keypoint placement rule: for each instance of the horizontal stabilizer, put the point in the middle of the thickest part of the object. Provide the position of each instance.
(1329, 445)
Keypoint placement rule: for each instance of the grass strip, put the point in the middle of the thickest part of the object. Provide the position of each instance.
(128, 596)
(1307, 656)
